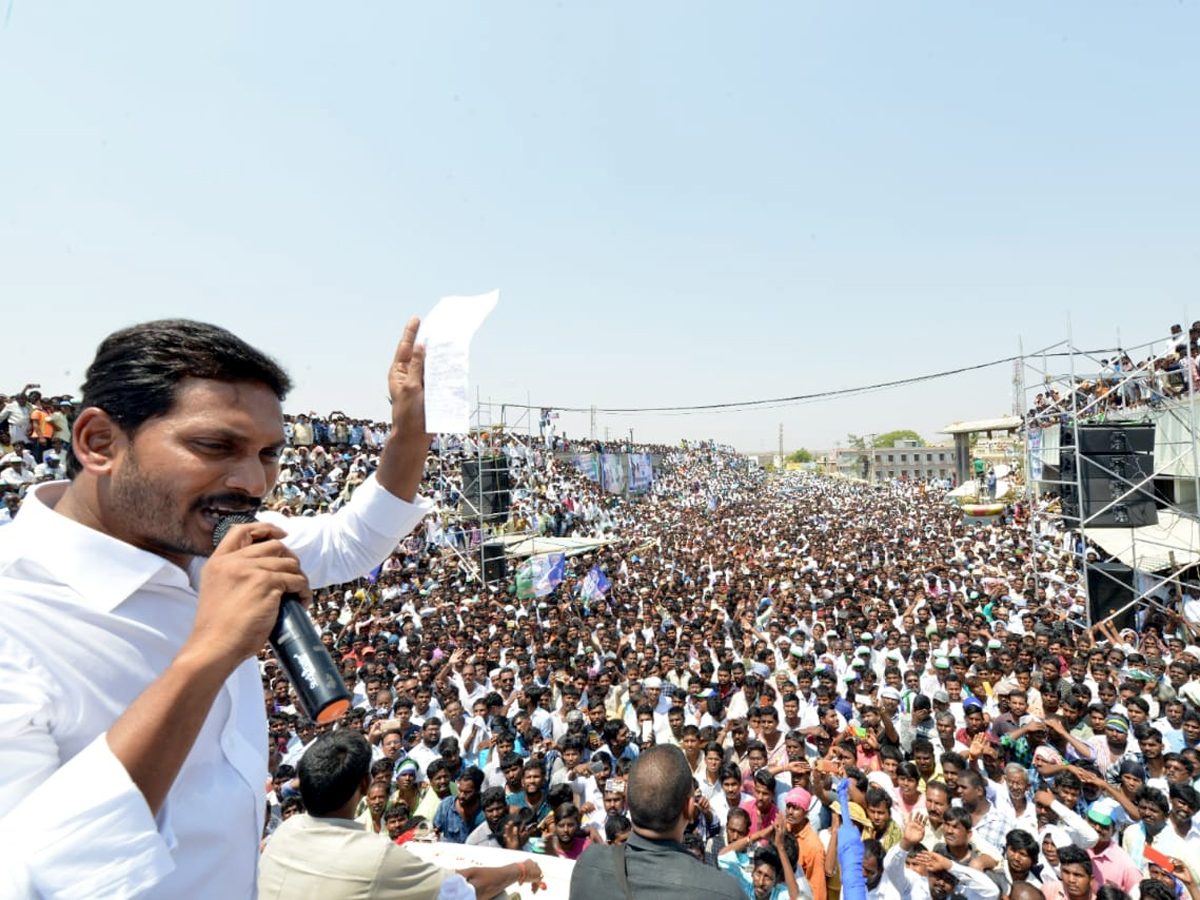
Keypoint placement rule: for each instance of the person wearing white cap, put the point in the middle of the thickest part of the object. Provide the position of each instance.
(933, 679)
(15, 473)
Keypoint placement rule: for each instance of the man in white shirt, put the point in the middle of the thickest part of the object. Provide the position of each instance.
(14, 473)
(10, 504)
(16, 414)
(50, 468)
(1191, 610)
(132, 729)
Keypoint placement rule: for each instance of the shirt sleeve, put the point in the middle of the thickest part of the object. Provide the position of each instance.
(456, 888)
(1075, 825)
(79, 829)
(73, 828)
(973, 884)
(893, 870)
(403, 873)
(349, 543)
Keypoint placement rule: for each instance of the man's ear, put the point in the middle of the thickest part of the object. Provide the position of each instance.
(96, 440)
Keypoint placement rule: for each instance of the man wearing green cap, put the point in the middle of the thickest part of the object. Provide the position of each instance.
(1114, 864)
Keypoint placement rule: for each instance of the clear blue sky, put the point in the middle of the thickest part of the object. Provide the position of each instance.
(681, 202)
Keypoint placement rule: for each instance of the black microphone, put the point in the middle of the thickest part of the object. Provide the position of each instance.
(298, 647)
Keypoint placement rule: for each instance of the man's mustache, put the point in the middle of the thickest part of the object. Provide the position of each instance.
(239, 502)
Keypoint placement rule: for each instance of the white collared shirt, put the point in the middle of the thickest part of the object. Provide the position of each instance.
(89, 621)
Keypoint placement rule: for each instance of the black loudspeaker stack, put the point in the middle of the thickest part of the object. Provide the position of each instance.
(487, 494)
(1109, 462)
(495, 562)
(1110, 587)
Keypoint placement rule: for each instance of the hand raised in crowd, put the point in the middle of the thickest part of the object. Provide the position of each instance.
(780, 828)
(763, 833)
(978, 742)
(932, 862)
(514, 837)
(914, 831)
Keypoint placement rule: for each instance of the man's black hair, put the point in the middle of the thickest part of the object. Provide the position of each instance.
(136, 373)
(492, 796)
(1072, 855)
(660, 784)
(473, 775)
(1153, 889)
(1019, 839)
(332, 769)
(874, 849)
(615, 825)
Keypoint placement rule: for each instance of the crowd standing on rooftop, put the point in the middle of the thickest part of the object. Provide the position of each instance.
(789, 633)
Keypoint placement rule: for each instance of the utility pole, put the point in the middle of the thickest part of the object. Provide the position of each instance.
(606, 434)
(781, 443)
(593, 432)
(871, 460)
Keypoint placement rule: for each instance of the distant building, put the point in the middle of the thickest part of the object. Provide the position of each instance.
(906, 461)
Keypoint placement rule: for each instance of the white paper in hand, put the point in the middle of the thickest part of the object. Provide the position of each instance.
(446, 333)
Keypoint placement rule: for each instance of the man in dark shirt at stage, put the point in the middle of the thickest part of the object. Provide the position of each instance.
(653, 863)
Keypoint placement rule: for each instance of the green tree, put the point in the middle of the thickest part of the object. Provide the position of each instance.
(888, 439)
(800, 456)
(856, 441)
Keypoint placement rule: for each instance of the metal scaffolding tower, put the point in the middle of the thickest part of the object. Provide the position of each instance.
(1081, 389)
(477, 485)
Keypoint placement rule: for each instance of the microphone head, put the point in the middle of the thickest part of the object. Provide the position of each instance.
(226, 522)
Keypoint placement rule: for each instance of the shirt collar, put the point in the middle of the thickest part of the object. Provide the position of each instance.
(332, 822)
(103, 570)
(641, 842)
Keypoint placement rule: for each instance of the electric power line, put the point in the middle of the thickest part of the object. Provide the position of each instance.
(775, 402)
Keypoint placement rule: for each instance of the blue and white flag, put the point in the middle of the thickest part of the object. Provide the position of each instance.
(595, 584)
(539, 575)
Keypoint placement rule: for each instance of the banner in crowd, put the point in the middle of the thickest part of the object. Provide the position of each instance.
(587, 465)
(1035, 454)
(614, 472)
(595, 584)
(539, 575)
(641, 472)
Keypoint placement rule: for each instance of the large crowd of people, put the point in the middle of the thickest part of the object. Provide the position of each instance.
(789, 633)
(785, 632)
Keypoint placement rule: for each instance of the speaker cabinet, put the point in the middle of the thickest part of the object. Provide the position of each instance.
(495, 562)
(487, 493)
(1109, 587)
(1105, 474)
